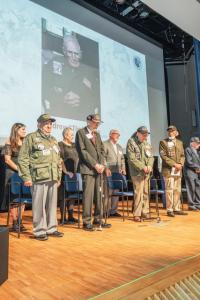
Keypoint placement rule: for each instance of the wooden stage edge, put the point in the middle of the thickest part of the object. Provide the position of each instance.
(149, 284)
(128, 261)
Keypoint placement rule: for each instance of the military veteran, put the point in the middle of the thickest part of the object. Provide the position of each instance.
(40, 168)
(173, 158)
(140, 162)
(192, 173)
(92, 166)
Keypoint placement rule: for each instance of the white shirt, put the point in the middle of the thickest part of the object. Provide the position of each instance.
(115, 147)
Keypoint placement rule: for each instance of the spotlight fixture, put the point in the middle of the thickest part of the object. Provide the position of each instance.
(120, 2)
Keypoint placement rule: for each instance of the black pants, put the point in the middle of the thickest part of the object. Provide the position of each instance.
(193, 191)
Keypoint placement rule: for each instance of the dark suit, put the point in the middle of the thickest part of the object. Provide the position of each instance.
(192, 179)
(90, 154)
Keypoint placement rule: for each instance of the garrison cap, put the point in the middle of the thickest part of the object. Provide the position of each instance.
(116, 131)
(172, 128)
(95, 118)
(195, 139)
(45, 117)
(143, 130)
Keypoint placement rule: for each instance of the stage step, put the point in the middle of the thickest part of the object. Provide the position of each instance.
(186, 289)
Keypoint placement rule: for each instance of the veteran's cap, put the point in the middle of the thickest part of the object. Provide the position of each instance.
(95, 118)
(116, 131)
(195, 139)
(45, 117)
(143, 130)
(171, 128)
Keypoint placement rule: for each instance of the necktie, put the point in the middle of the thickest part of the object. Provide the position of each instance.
(93, 137)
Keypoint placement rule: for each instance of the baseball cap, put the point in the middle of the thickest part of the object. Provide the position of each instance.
(45, 117)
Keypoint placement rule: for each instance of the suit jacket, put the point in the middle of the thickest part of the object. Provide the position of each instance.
(192, 163)
(89, 154)
(171, 153)
(115, 161)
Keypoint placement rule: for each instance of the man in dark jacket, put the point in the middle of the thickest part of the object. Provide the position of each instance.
(192, 173)
(92, 165)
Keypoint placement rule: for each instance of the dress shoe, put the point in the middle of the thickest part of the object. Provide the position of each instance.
(42, 237)
(22, 228)
(181, 213)
(106, 225)
(145, 216)
(115, 215)
(103, 224)
(88, 227)
(137, 219)
(193, 208)
(63, 222)
(72, 220)
(56, 234)
(171, 214)
(15, 228)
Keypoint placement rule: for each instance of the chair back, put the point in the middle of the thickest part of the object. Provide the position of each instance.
(16, 183)
(17, 186)
(117, 182)
(73, 184)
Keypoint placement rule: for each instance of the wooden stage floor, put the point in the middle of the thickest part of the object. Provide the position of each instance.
(82, 265)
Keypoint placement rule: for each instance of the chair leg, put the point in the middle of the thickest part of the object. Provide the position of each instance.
(64, 207)
(123, 208)
(181, 198)
(19, 219)
(8, 215)
(127, 206)
(157, 208)
(79, 221)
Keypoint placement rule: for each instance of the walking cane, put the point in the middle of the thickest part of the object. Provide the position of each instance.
(101, 202)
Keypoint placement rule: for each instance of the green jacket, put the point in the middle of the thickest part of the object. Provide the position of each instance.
(89, 154)
(171, 153)
(139, 155)
(39, 158)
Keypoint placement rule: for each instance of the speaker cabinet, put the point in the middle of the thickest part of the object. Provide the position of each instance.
(4, 247)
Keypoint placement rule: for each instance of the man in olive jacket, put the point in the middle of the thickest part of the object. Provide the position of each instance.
(173, 158)
(92, 165)
(140, 162)
(40, 168)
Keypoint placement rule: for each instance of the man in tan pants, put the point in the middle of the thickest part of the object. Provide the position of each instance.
(140, 161)
(173, 158)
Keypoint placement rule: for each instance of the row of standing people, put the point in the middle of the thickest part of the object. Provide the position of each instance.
(39, 165)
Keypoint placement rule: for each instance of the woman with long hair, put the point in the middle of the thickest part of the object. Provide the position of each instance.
(11, 152)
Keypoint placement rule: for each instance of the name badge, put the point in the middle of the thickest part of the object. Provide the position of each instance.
(41, 147)
(170, 144)
(46, 152)
(89, 136)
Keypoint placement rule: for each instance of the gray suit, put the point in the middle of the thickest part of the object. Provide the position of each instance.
(192, 179)
(115, 163)
(90, 154)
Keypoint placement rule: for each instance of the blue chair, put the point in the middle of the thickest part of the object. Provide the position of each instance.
(22, 194)
(157, 190)
(118, 182)
(72, 190)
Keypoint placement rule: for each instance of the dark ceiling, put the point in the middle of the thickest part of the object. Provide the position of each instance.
(177, 44)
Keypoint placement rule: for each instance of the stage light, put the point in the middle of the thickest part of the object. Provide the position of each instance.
(120, 1)
(144, 14)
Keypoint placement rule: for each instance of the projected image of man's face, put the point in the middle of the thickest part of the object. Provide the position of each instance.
(70, 75)
(72, 51)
